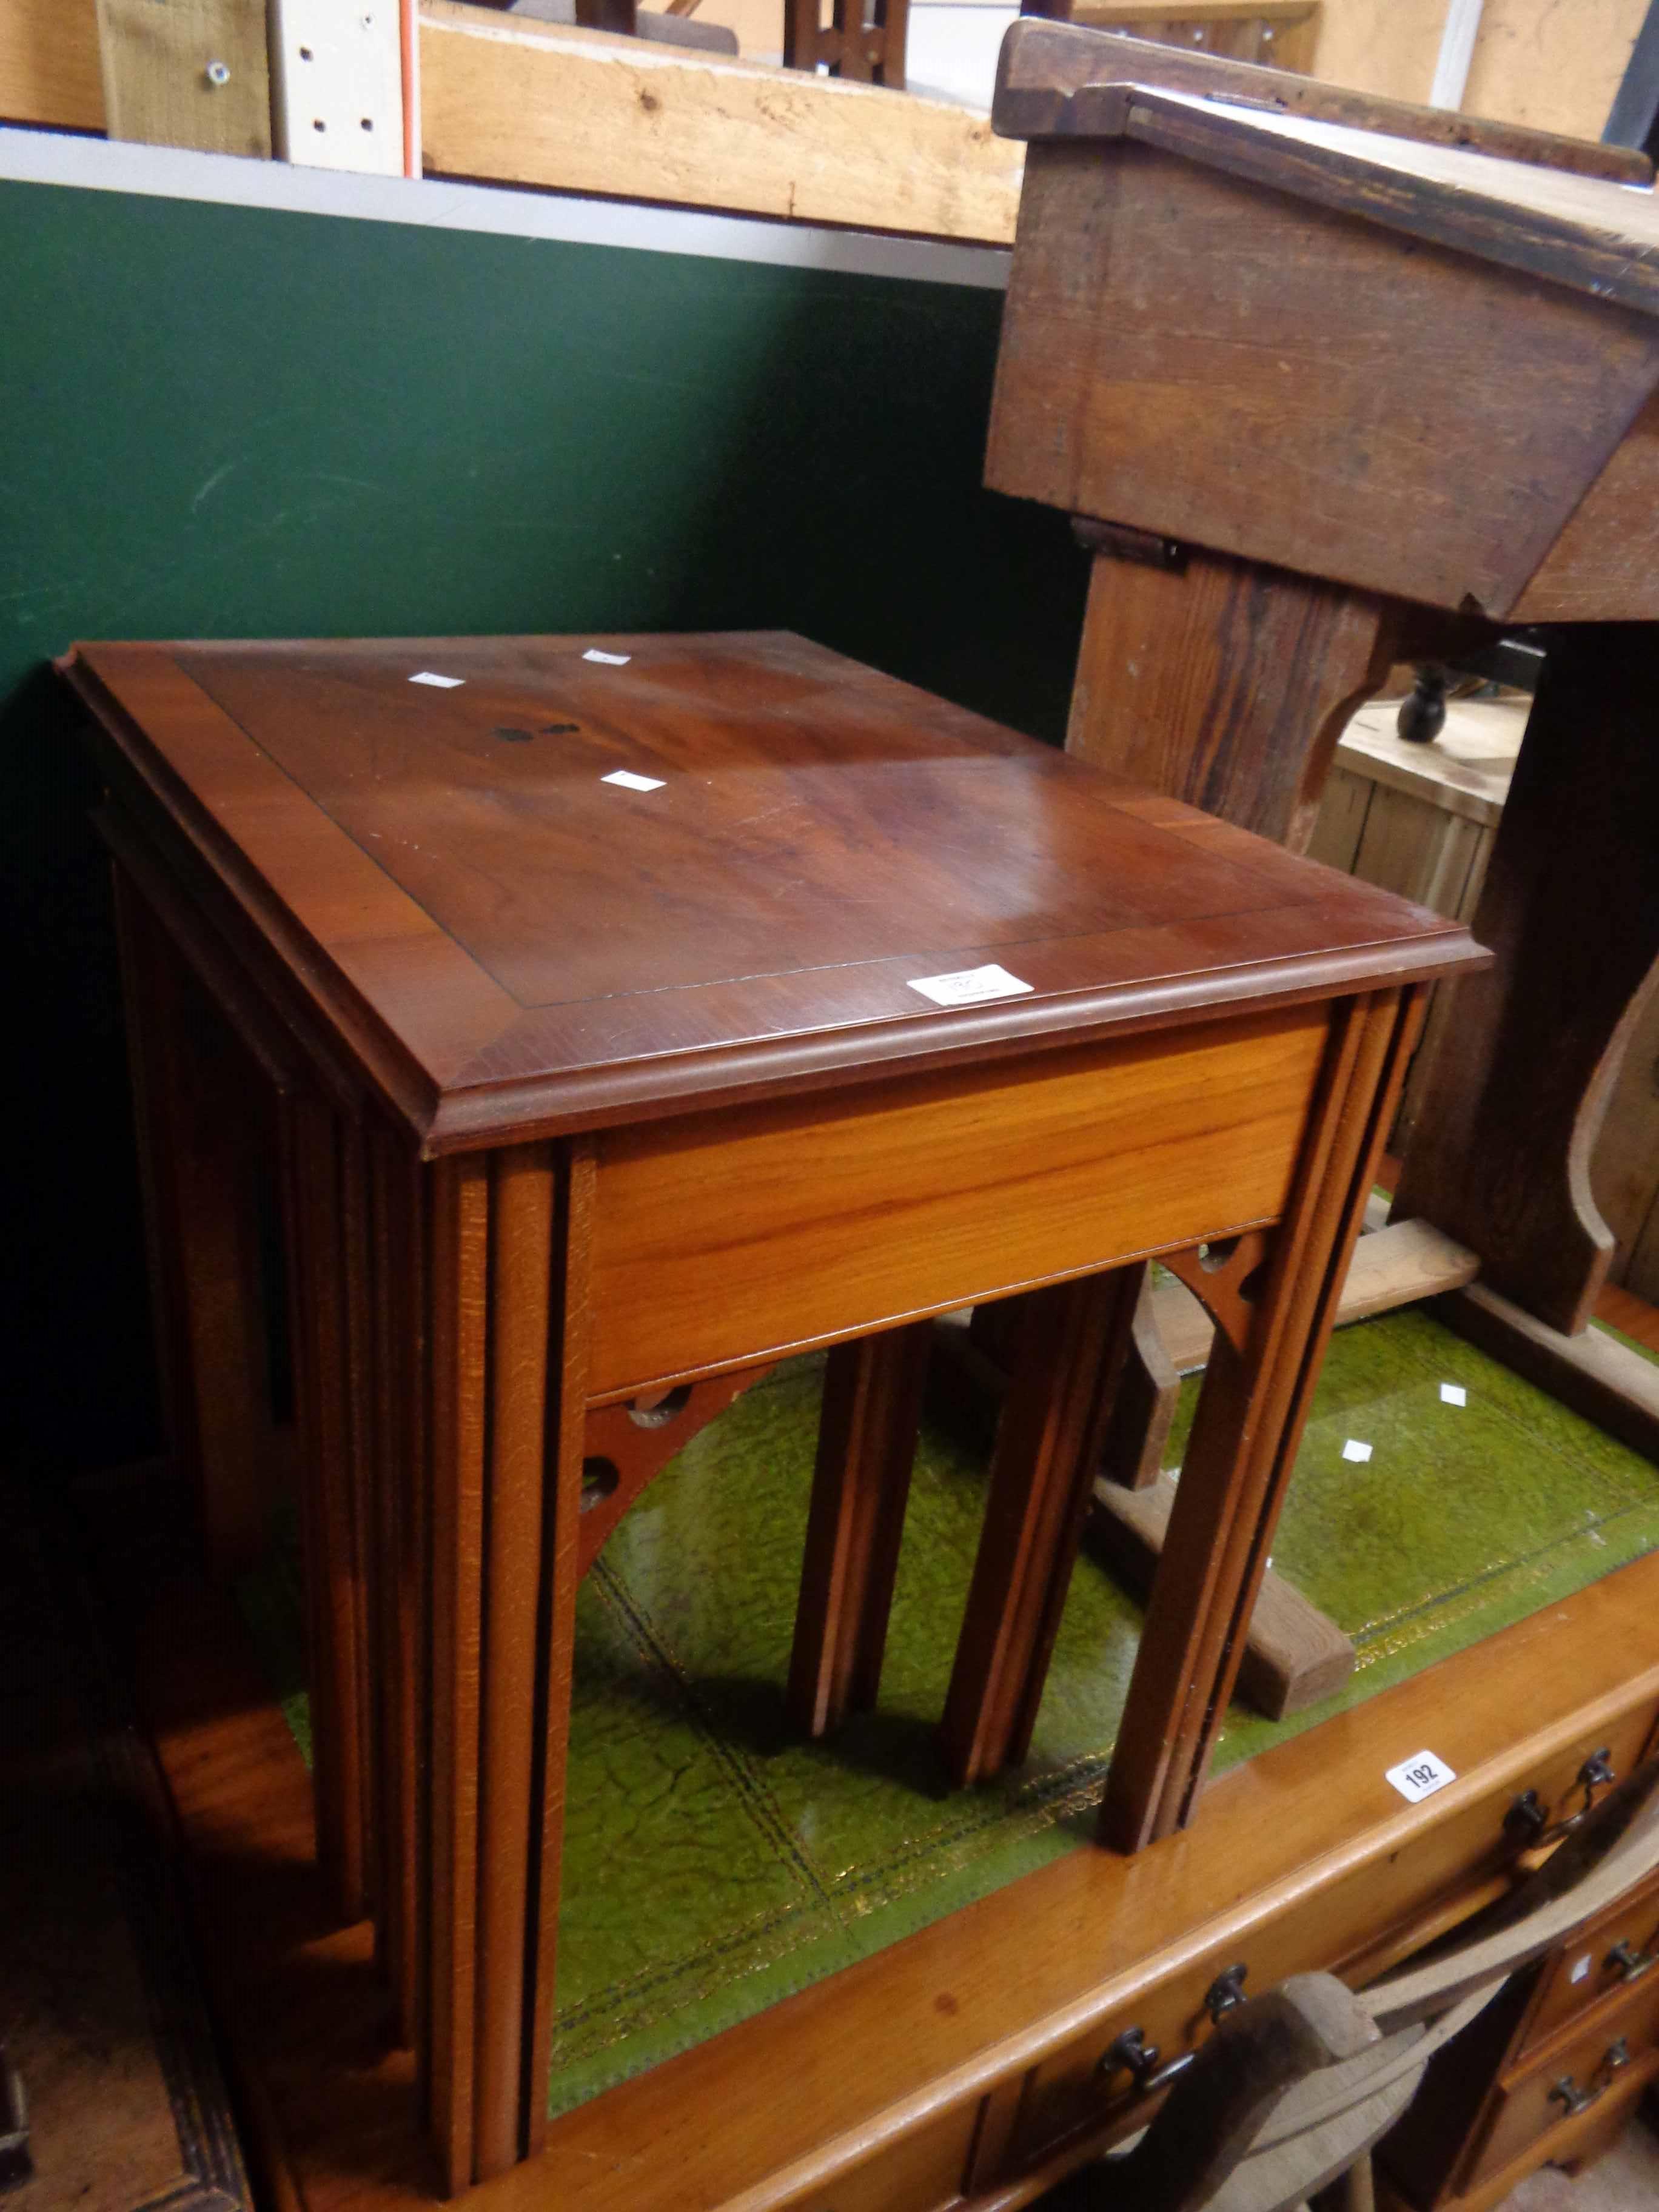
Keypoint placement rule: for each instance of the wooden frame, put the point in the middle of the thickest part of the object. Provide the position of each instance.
(984, 2101)
(517, 102)
(490, 1270)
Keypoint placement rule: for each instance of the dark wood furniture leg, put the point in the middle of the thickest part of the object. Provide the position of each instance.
(198, 1104)
(212, 1108)
(327, 1210)
(1570, 908)
(873, 1393)
(1256, 1391)
(1223, 682)
(1068, 1347)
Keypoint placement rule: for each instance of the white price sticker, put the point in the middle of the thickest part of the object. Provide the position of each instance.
(610, 660)
(1354, 1449)
(1581, 1970)
(969, 985)
(628, 781)
(1453, 1394)
(439, 682)
(1419, 1777)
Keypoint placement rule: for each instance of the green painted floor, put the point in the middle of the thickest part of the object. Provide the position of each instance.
(767, 1862)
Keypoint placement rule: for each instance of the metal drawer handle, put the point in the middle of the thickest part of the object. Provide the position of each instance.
(1130, 2053)
(1527, 1824)
(1573, 2099)
(1629, 1965)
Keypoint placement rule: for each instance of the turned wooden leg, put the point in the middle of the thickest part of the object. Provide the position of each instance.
(1068, 1348)
(873, 1393)
(1224, 683)
(507, 1237)
(1501, 1150)
(1268, 1348)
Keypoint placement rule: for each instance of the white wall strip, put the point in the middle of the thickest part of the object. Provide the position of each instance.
(48, 157)
(1457, 38)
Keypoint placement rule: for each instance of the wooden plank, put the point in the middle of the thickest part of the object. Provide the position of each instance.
(1467, 769)
(1191, 428)
(1341, 822)
(1593, 1373)
(1227, 688)
(1401, 1265)
(187, 73)
(1600, 566)
(49, 66)
(1398, 1266)
(828, 1220)
(1413, 847)
(1302, 1856)
(1570, 908)
(539, 104)
(1625, 1165)
(1296, 1655)
(1044, 64)
(1550, 68)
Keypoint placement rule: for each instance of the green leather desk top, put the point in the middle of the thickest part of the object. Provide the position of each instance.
(767, 1862)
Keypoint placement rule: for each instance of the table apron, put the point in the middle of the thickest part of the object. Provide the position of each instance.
(726, 1237)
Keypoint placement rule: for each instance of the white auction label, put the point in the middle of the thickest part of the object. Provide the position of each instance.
(1453, 1394)
(610, 660)
(969, 985)
(1419, 1776)
(439, 682)
(1581, 1972)
(1354, 1449)
(630, 781)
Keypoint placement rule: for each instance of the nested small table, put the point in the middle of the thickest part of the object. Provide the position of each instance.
(627, 1013)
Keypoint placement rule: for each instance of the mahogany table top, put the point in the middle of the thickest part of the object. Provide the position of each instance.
(457, 883)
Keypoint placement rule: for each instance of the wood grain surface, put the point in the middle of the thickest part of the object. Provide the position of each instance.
(575, 111)
(873, 1393)
(505, 946)
(1045, 72)
(1225, 683)
(1511, 1106)
(1326, 393)
(1308, 1856)
(823, 1220)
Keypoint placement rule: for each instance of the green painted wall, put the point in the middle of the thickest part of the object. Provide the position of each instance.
(224, 422)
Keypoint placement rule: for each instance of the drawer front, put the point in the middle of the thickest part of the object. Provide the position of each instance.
(1359, 1927)
(1529, 2106)
(725, 1236)
(923, 2172)
(1620, 1950)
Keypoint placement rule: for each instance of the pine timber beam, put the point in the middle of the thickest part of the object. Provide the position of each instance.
(49, 68)
(574, 110)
